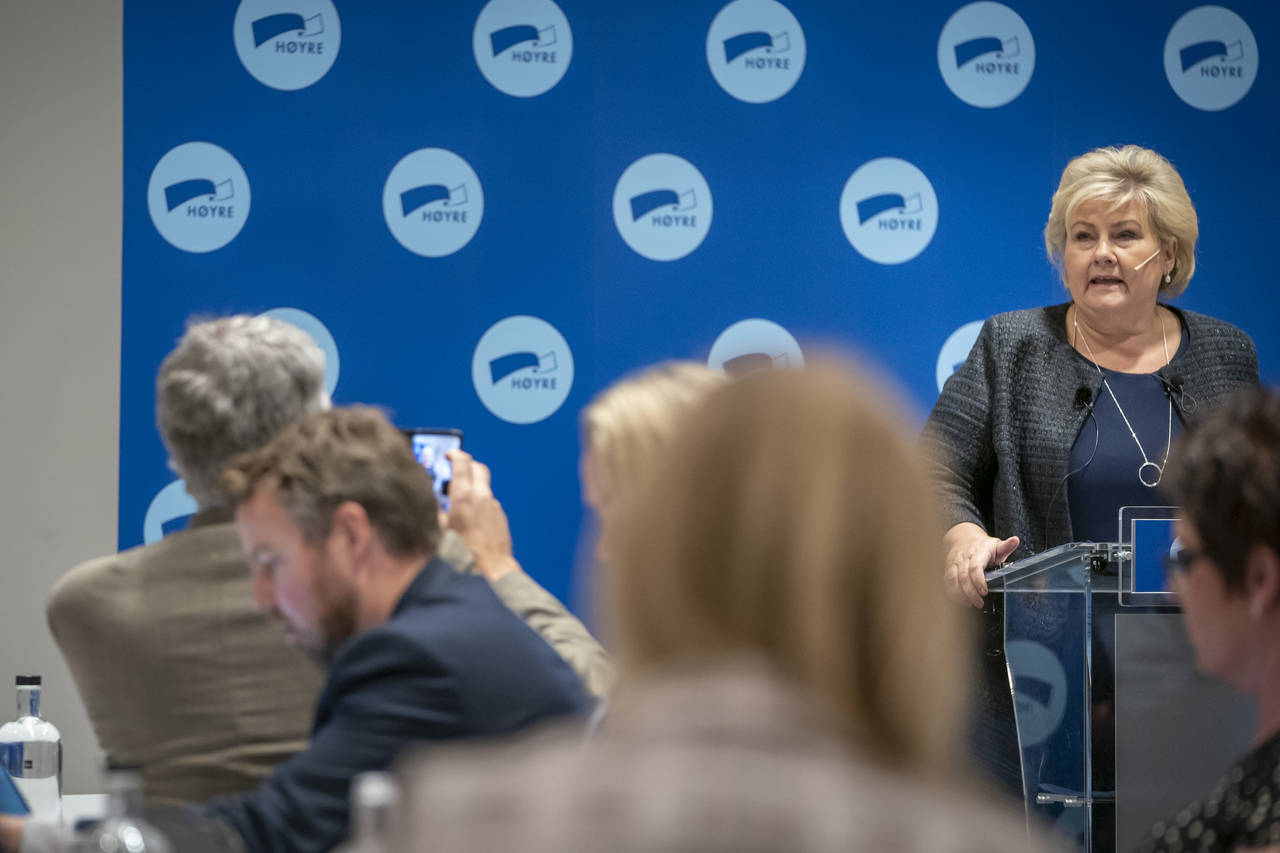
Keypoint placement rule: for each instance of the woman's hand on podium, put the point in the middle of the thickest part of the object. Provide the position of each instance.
(970, 552)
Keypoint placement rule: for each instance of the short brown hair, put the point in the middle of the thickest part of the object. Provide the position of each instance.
(347, 454)
(1225, 474)
(791, 517)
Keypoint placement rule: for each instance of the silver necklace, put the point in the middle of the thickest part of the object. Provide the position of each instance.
(1147, 466)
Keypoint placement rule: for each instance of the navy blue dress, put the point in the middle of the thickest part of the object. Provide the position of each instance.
(1105, 459)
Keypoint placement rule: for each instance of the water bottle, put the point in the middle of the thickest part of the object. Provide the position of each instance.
(124, 829)
(374, 796)
(31, 750)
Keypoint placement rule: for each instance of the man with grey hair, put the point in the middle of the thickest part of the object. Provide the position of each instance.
(230, 386)
(179, 672)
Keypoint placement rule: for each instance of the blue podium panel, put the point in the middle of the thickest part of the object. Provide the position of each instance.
(438, 191)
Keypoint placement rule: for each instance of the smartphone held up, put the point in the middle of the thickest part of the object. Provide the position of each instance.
(430, 446)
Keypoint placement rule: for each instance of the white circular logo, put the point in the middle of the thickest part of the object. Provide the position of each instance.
(1211, 58)
(287, 44)
(662, 207)
(170, 504)
(433, 202)
(888, 210)
(320, 334)
(756, 50)
(523, 47)
(198, 197)
(956, 350)
(986, 54)
(522, 369)
(754, 344)
(1039, 690)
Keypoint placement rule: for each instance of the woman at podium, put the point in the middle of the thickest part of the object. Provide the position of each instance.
(1063, 414)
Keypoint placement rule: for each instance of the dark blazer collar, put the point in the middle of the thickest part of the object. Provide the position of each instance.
(429, 579)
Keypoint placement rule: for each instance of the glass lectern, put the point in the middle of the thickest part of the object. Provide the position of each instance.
(1105, 690)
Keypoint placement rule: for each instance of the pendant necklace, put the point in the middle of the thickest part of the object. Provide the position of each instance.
(1148, 470)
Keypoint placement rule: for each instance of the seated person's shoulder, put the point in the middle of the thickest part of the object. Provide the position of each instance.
(951, 817)
(451, 624)
(112, 585)
(82, 591)
(484, 795)
(454, 609)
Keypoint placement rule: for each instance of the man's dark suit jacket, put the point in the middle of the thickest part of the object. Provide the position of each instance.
(451, 662)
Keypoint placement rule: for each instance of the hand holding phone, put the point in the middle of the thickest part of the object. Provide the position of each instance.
(430, 447)
(479, 519)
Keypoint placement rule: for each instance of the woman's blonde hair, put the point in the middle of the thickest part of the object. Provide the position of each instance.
(627, 425)
(791, 517)
(1120, 175)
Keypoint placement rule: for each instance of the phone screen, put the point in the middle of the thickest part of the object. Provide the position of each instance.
(430, 446)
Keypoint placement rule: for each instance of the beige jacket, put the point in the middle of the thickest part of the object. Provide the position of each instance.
(725, 756)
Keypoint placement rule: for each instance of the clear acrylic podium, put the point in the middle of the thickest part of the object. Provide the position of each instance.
(1048, 620)
(1101, 682)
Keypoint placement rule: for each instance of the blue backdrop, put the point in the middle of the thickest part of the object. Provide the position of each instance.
(403, 177)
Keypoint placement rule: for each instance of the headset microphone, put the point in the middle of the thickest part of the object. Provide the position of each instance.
(1144, 263)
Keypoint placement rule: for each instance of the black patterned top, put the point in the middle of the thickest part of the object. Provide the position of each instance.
(1242, 811)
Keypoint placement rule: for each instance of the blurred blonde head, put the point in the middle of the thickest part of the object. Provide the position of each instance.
(627, 426)
(1118, 175)
(791, 517)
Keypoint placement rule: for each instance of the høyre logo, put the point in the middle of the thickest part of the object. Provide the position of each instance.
(1040, 689)
(986, 54)
(287, 44)
(888, 210)
(522, 369)
(1211, 58)
(172, 503)
(433, 202)
(523, 47)
(754, 344)
(198, 197)
(662, 207)
(955, 351)
(756, 50)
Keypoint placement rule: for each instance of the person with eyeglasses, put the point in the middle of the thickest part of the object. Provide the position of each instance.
(1225, 569)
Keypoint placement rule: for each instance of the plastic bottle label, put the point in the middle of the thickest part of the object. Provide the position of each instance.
(30, 760)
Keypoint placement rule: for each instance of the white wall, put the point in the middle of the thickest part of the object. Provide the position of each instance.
(60, 191)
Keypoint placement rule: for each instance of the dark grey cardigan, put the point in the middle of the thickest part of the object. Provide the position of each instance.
(1002, 429)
